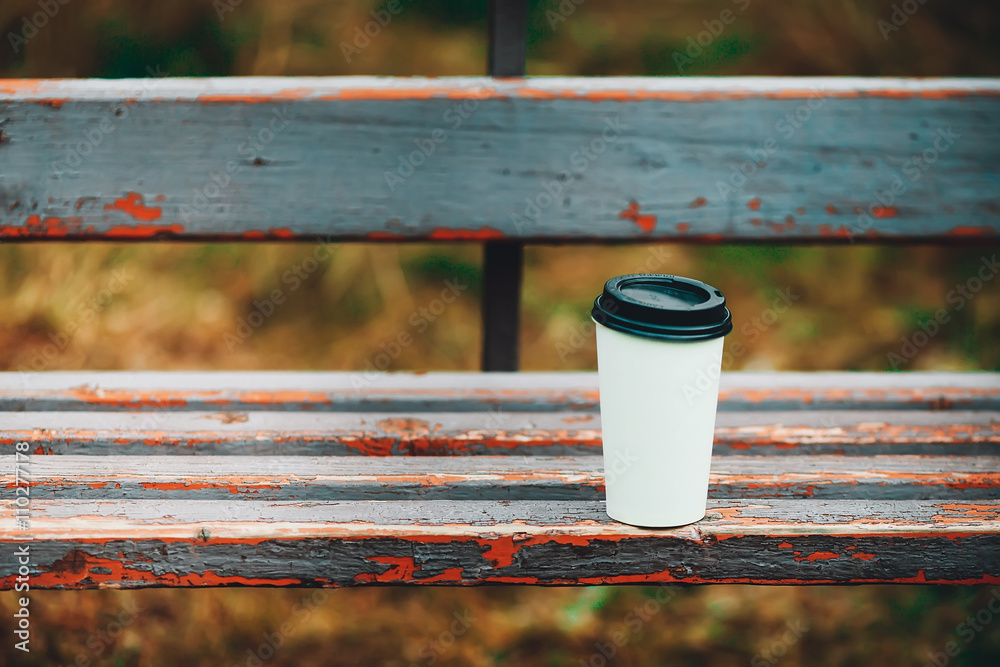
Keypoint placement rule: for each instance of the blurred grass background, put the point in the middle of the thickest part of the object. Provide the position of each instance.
(181, 303)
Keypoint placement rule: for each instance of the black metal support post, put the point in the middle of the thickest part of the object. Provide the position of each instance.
(503, 261)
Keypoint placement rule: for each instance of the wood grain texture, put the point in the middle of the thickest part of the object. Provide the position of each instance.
(274, 478)
(467, 433)
(127, 544)
(242, 391)
(545, 159)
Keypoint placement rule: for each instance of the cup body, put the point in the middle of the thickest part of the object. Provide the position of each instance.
(658, 405)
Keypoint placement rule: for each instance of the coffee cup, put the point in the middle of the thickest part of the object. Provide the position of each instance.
(659, 356)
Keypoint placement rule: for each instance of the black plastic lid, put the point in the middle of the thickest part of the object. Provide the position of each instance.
(651, 305)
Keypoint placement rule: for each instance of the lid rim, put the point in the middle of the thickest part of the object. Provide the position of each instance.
(656, 314)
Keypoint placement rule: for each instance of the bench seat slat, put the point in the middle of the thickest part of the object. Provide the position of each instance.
(464, 433)
(473, 392)
(89, 544)
(273, 478)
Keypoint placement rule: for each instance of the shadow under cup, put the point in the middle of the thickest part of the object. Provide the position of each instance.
(659, 356)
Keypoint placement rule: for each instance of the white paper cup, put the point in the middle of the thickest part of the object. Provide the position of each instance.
(659, 355)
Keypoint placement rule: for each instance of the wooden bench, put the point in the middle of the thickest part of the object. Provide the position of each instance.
(317, 479)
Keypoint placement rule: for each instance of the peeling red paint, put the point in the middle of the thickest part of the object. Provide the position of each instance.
(402, 570)
(882, 212)
(981, 230)
(289, 94)
(79, 570)
(132, 204)
(271, 233)
(142, 231)
(699, 202)
(43, 92)
(576, 420)
(827, 230)
(501, 551)
(450, 574)
(754, 204)
(433, 442)
(683, 227)
(482, 234)
(234, 487)
(83, 570)
(831, 209)
(36, 226)
(819, 555)
(647, 223)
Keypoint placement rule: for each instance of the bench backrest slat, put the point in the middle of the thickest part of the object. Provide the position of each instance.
(550, 159)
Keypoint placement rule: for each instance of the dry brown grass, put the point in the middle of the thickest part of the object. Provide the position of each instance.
(182, 304)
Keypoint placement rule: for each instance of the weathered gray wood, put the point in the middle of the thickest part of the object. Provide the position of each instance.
(128, 544)
(542, 159)
(473, 392)
(273, 478)
(466, 433)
